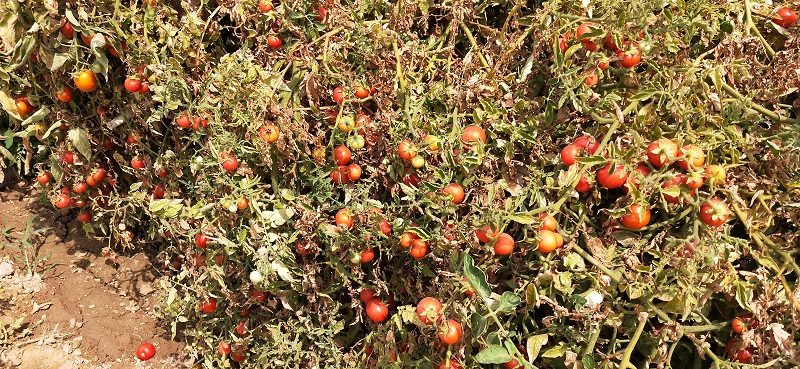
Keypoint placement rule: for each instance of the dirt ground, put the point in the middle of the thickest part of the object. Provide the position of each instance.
(83, 307)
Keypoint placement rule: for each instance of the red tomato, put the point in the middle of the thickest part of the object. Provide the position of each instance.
(694, 180)
(344, 219)
(637, 217)
(512, 364)
(137, 163)
(361, 92)
(738, 325)
(661, 152)
(340, 175)
(486, 233)
(569, 153)
(473, 134)
(386, 228)
(145, 351)
(630, 58)
(583, 29)
(133, 84)
(608, 43)
(583, 185)
(224, 348)
(673, 185)
(588, 143)
(43, 178)
(68, 157)
(85, 216)
(367, 294)
(612, 176)
(209, 306)
(322, 12)
(230, 163)
(455, 191)
(738, 351)
(241, 329)
(367, 255)
(342, 155)
(183, 121)
(238, 355)
(451, 332)
(691, 156)
(201, 241)
(406, 150)
(548, 241)
(407, 238)
(258, 296)
(67, 30)
(62, 201)
(80, 187)
(338, 95)
(428, 310)
(274, 42)
(714, 212)
(504, 245)
(354, 172)
(265, 6)
(419, 248)
(377, 311)
(548, 222)
(64, 94)
(99, 174)
(591, 79)
(145, 88)
(784, 17)
(641, 171)
(602, 63)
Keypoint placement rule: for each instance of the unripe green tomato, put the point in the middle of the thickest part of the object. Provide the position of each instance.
(356, 258)
(96, 68)
(417, 162)
(256, 277)
(356, 142)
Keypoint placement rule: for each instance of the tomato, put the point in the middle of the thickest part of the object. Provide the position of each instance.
(342, 155)
(583, 185)
(386, 228)
(132, 138)
(451, 332)
(673, 189)
(242, 204)
(67, 30)
(80, 187)
(344, 219)
(588, 143)
(209, 306)
(449, 364)
(367, 294)
(269, 133)
(361, 92)
(411, 179)
(62, 201)
(274, 42)
(265, 6)
(455, 192)
(431, 142)
(737, 350)
(691, 156)
(133, 84)
(637, 217)
(630, 58)
(407, 150)
(68, 157)
(64, 94)
(473, 134)
(486, 233)
(99, 174)
(504, 245)
(377, 311)
(258, 296)
(569, 153)
(230, 163)
(241, 329)
(612, 176)
(661, 152)
(784, 17)
(338, 95)
(322, 12)
(183, 121)
(137, 163)
(145, 351)
(583, 29)
(85, 216)
(738, 325)
(367, 255)
(512, 364)
(715, 174)
(714, 212)
(639, 173)
(238, 355)
(407, 238)
(354, 172)
(548, 222)
(602, 63)
(224, 348)
(43, 178)
(591, 79)
(85, 81)
(418, 162)
(24, 107)
(201, 241)
(428, 310)
(559, 240)
(340, 175)
(145, 88)
(608, 43)
(694, 180)
(547, 241)
(562, 44)
(419, 248)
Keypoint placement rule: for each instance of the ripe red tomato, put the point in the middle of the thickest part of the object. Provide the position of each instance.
(230, 163)
(662, 151)
(265, 6)
(85, 216)
(486, 233)
(209, 306)
(602, 63)
(637, 217)
(588, 143)
(612, 176)
(629, 58)
(547, 241)
(68, 157)
(386, 228)
(451, 332)
(137, 163)
(504, 245)
(473, 134)
(241, 329)
(367, 294)
(784, 17)
(367, 256)
(361, 92)
(132, 138)
(548, 222)
(608, 43)
(673, 188)
(354, 172)
(67, 30)
(64, 94)
(145, 351)
(340, 175)
(80, 187)
(694, 180)
(714, 212)
(512, 364)
(455, 191)
(322, 12)
(738, 325)
(583, 185)
(274, 42)
(133, 84)
(183, 121)
(691, 156)
(419, 248)
(449, 364)
(99, 174)
(583, 29)
(342, 155)
(407, 238)
(201, 241)
(738, 351)
(406, 150)
(258, 296)
(411, 180)
(224, 348)
(338, 95)
(145, 88)
(591, 79)
(344, 219)
(428, 310)
(238, 355)
(569, 153)
(62, 201)
(377, 311)
(43, 178)
(634, 178)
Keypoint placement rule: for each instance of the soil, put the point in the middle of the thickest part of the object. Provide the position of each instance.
(83, 306)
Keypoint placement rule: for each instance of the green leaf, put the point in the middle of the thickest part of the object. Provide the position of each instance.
(554, 352)
(80, 139)
(744, 294)
(493, 354)
(22, 50)
(522, 218)
(72, 20)
(477, 324)
(476, 277)
(591, 160)
(50, 130)
(534, 344)
(508, 302)
(166, 208)
(588, 362)
(38, 115)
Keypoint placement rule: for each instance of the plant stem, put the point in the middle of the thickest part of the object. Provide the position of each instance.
(626, 355)
(748, 20)
(474, 44)
(769, 113)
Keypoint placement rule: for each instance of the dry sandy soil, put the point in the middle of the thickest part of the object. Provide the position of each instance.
(84, 306)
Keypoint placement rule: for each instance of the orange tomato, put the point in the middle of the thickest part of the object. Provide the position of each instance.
(455, 191)
(85, 81)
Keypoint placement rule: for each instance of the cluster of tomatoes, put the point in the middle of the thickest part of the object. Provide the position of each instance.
(736, 348)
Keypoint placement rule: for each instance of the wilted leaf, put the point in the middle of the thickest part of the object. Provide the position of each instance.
(493, 354)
